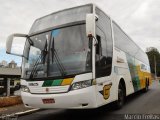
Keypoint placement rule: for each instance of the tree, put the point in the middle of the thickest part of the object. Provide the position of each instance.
(153, 53)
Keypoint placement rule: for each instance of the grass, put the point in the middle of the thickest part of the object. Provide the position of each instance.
(9, 101)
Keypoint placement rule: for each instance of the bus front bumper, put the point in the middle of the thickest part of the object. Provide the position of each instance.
(76, 99)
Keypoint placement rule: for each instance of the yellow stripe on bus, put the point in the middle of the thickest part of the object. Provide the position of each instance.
(67, 81)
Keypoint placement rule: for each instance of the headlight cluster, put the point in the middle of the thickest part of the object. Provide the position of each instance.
(24, 88)
(81, 84)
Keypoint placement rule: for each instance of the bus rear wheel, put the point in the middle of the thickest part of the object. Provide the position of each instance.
(146, 86)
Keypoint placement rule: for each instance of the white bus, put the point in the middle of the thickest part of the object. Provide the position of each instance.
(79, 58)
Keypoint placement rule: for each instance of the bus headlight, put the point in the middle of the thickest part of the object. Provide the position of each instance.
(24, 88)
(81, 84)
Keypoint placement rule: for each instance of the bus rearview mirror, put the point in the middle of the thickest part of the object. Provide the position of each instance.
(90, 24)
(15, 44)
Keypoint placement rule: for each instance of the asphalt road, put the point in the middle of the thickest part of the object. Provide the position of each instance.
(139, 103)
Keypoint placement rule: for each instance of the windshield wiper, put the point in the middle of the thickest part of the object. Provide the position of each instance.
(42, 57)
(58, 61)
(38, 61)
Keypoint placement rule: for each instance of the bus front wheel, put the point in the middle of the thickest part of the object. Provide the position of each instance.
(121, 97)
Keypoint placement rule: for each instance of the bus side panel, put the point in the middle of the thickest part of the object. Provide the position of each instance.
(139, 75)
(106, 92)
(122, 71)
(143, 73)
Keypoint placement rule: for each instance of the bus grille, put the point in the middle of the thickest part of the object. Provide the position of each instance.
(46, 90)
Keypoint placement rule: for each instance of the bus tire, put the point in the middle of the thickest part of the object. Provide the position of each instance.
(146, 86)
(121, 97)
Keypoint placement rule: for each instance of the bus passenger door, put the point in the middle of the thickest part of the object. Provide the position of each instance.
(102, 68)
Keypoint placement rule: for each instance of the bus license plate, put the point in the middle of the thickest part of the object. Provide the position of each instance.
(48, 101)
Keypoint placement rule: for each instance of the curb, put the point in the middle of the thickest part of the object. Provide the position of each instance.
(27, 112)
(18, 114)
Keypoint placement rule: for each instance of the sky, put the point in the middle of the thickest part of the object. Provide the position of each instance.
(138, 18)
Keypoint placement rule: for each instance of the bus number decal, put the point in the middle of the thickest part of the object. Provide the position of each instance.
(106, 91)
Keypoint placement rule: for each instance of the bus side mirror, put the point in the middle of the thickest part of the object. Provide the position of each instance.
(90, 24)
(15, 44)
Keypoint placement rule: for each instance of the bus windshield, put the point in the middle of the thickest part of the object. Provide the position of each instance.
(58, 53)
